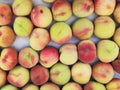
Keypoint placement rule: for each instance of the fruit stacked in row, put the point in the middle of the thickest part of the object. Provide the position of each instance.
(72, 66)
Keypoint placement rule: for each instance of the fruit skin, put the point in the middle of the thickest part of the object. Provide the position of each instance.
(60, 74)
(104, 7)
(61, 10)
(82, 28)
(7, 36)
(28, 57)
(30, 87)
(49, 86)
(49, 56)
(81, 72)
(22, 7)
(82, 8)
(41, 16)
(93, 85)
(116, 36)
(49, 1)
(116, 65)
(5, 14)
(114, 84)
(22, 26)
(39, 75)
(35, 38)
(9, 87)
(8, 58)
(102, 72)
(72, 86)
(18, 76)
(104, 27)
(60, 32)
(86, 51)
(107, 48)
(3, 76)
(116, 13)
(68, 54)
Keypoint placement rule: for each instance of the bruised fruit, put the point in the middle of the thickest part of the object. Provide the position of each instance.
(8, 58)
(61, 10)
(18, 76)
(107, 50)
(35, 38)
(60, 32)
(82, 8)
(3, 76)
(30, 87)
(7, 36)
(60, 74)
(116, 36)
(68, 54)
(41, 16)
(49, 86)
(114, 84)
(22, 7)
(28, 57)
(104, 7)
(5, 14)
(22, 26)
(81, 72)
(104, 27)
(82, 28)
(116, 65)
(102, 72)
(92, 85)
(86, 51)
(72, 86)
(9, 87)
(49, 56)
(39, 75)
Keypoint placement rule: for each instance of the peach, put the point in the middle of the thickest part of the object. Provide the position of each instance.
(39, 38)
(5, 14)
(49, 86)
(93, 85)
(116, 65)
(68, 54)
(28, 57)
(82, 28)
(41, 16)
(3, 76)
(49, 56)
(103, 72)
(60, 74)
(82, 8)
(9, 87)
(39, 75)
(61, 10)
(104, 27)
(81, 72)
(72, 86)
(86, 51)
(22, 7)
(107, 50)
(60, 32)
(22, 26)
(116, 13)
(104, 7)
(8, 58)
(18, 76)
(114, 84)
(49, 1)
(116, 36)
(7, 36)
(30, 87)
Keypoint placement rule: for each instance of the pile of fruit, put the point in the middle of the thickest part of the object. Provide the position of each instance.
(86, 65)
